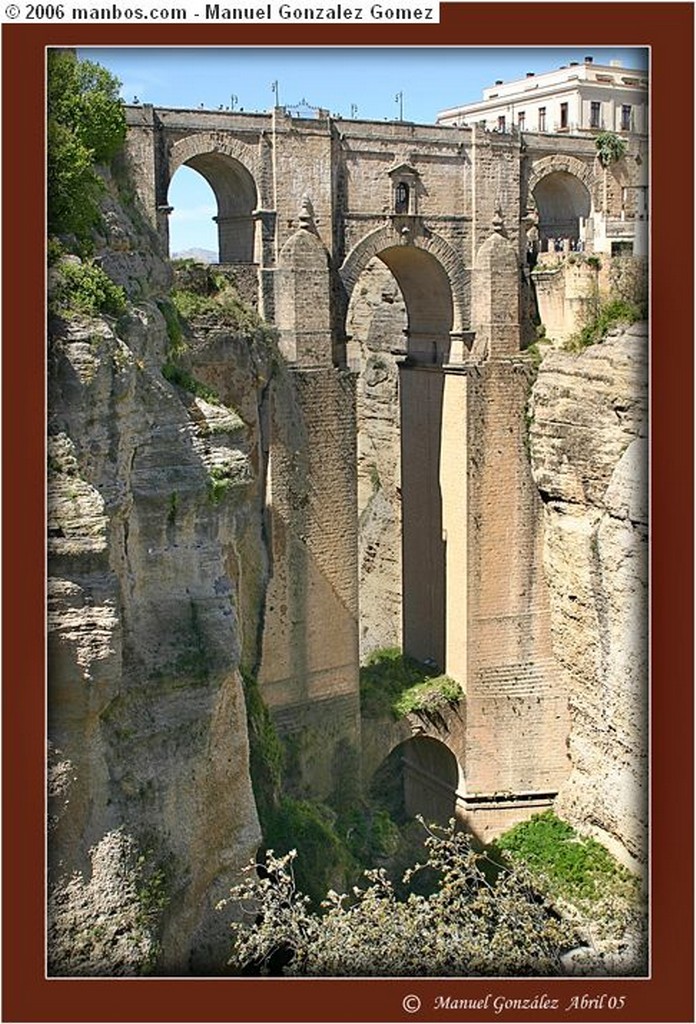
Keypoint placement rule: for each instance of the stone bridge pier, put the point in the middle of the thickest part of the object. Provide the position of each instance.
(309, 203)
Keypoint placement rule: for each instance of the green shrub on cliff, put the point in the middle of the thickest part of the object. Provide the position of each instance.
(577, 872)
(308, 826)
(609, 314)
(83, 288)
(573, 866)
(221, 308)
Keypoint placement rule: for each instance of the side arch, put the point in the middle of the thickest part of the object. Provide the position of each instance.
(558, 162)
(385, 238)
(231, 169)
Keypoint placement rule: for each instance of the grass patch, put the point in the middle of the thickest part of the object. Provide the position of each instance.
(393, 684)
(610, 314)
(573, 867)
(222, 307)
(207, 298)
(176, 374)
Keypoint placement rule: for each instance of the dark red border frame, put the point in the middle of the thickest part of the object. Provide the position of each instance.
(667, 995)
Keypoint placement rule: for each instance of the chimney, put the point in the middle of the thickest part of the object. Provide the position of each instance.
(530, 74)
(498, 81)
(588, 60)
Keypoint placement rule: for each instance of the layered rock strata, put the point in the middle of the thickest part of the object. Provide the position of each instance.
(589, 442)
(157, 570)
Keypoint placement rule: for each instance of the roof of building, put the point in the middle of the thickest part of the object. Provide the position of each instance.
(586, 72)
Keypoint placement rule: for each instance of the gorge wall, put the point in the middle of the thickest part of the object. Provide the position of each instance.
(589, 443)
(157, 568)
(376, 323)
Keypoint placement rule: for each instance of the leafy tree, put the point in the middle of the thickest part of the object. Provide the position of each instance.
(482, 919)
(73, 187)
(610, 149)
(86, 125)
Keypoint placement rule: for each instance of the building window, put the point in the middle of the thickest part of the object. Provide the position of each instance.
(520, 121)
(501, 123)
(564, 115)
(542, 119)
(595, 113)
(401, 198)
(625, 118)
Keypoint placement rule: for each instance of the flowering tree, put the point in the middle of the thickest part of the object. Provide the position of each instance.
(482, 918)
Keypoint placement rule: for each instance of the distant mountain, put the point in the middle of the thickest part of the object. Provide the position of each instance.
(199, 255)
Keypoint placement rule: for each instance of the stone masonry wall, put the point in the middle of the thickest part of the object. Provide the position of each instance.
(516, 694)
(310, 637)
(567, 290)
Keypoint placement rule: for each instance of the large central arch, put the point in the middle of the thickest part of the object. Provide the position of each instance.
(428, 296)
(445, 265)
(432, 307)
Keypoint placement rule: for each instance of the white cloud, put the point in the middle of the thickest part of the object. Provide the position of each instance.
(193, 213)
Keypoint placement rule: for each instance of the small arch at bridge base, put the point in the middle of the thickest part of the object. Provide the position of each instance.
(419, 777)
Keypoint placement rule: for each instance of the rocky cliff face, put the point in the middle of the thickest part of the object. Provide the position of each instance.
(157, 566)
(589, 455)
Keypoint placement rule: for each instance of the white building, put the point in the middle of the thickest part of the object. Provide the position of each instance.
(578, 99)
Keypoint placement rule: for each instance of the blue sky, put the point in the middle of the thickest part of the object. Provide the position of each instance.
(336, 78)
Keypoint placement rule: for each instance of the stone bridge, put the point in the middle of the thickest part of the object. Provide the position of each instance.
(452, 212)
